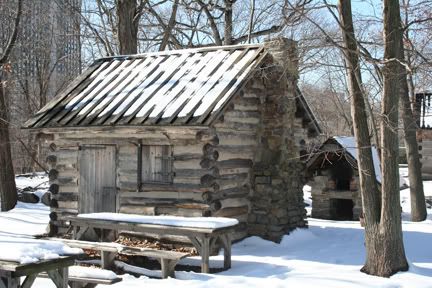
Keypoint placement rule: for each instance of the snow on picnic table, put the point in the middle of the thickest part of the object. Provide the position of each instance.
(177, 221)
(27, 250)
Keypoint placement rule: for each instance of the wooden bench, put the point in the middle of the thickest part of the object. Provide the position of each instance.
(77, 281)
(167, 259)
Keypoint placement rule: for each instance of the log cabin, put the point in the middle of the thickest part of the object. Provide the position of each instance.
(215, 131)
(424, 132)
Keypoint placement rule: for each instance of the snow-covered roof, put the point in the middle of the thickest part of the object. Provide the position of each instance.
(181, 87)
(350, 146)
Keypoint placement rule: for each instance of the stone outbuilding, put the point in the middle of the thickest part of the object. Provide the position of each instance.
(212, 131)
(335, 179)
(424, 132)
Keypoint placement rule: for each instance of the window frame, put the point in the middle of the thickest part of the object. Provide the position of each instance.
(140, 181)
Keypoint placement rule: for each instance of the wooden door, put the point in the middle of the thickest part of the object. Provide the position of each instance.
(97, 179)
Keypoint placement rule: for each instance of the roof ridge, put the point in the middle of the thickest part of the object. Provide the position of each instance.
(183, 51)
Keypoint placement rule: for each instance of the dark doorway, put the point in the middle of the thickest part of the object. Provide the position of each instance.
(342, 209)
(341, 173)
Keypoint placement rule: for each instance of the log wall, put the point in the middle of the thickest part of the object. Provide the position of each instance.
(424, 136)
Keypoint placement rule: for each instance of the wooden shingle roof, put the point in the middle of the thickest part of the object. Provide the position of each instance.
(182, 87)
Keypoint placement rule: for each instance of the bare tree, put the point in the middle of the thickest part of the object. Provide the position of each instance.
(383, 228)
(7, 176)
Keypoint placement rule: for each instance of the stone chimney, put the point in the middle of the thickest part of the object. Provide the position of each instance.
(277, 186)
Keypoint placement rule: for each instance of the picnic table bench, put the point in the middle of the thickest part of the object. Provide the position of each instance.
(203, 232)
(167, 259)
(56, 269)
(80, 281)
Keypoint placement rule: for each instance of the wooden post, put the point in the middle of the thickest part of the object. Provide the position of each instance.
(205, 256)
(107, 259)
(7, 281)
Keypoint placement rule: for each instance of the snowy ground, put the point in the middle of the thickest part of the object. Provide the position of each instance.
(328, 254)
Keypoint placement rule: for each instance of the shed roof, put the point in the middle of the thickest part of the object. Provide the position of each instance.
(187, 87)
(347, 147)
(182, 87)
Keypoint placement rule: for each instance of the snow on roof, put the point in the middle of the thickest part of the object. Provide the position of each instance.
(177, 221)
(181, 87)
(27, 250)
(350, 145)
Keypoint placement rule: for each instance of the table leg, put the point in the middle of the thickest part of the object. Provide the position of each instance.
(107, 259)
(59, 277)
(7, 281)
(203, 248)
(205, 256)
(226, 243)
(28, 281)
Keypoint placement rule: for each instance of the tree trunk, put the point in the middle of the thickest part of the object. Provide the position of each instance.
(386, 254)
(418, 203)
(127, 26)
(383, 232)
(228, 28)
(8, 194)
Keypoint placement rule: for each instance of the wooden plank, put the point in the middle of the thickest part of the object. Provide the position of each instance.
(86, 87)
(236, 73)
(101, 95)
(119, 92)
(216, 73)
(73, 85)
(127, 97)
(80, 101)
(165, 73)
(120, 114)
(182, 75)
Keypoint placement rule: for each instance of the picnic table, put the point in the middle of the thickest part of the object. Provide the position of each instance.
(27, 257)
(203, 232)
(57, 270)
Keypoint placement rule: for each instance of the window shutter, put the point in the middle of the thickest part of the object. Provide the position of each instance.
(157, 164)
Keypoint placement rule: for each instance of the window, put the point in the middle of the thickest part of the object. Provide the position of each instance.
(155, 164)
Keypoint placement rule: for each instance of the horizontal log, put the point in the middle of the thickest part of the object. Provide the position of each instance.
(161, 202)
(188, 156)
(189, 149)
(237, 126)
(174, 188)
(68, 204)
(234, 163)
(187, 164)
(68, 189)
(229, 193)
(229, 203)
(196, 196)
(66, 196)
(231, 212)
(64, 210)
(192, 173)
(137, 209)
(179, 211)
